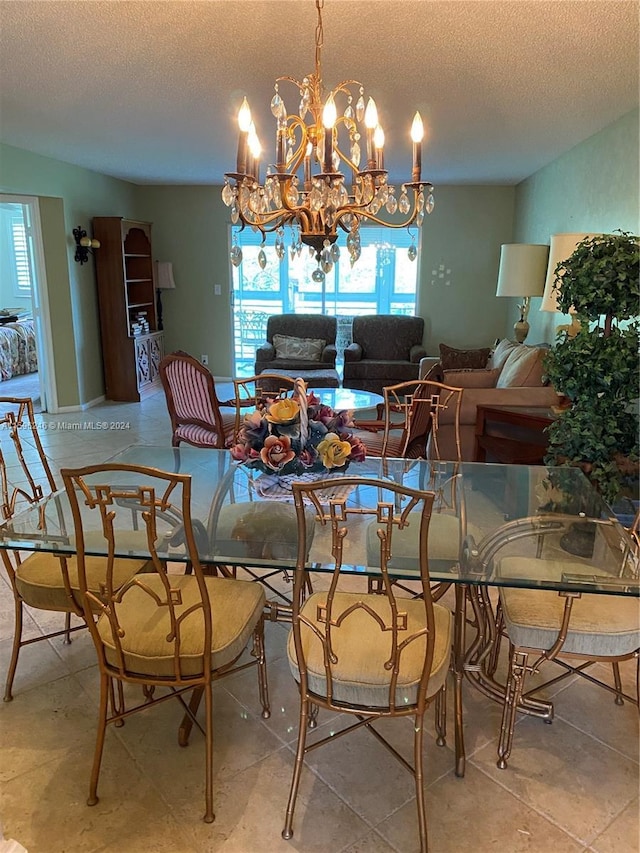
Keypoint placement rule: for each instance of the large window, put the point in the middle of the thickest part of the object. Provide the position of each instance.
(382, 281)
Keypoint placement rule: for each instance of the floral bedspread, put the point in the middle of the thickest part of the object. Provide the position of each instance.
(17, 349)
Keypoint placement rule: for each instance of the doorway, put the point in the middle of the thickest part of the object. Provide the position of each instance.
(25, 339)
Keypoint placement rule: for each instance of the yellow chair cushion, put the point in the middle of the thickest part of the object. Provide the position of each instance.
(39, 578)
(236, 608)
(359, 676)
(600, 625)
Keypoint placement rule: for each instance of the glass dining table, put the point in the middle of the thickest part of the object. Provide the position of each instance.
(245, 519)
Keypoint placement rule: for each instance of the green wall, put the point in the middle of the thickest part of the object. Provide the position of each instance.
(69, 196)
(593, 188)
(191, 227)
(190, 230)
(463, 235)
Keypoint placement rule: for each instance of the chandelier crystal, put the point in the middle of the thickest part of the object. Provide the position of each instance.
(305, 189)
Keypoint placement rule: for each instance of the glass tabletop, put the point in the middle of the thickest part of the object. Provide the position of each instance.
(492, 524)
(337, 398)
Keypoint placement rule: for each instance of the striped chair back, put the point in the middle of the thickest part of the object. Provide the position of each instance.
(192, 401)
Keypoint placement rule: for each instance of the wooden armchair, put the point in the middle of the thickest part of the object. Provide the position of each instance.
(194, 407)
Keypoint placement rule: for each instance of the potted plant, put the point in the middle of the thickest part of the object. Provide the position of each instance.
(598, 368)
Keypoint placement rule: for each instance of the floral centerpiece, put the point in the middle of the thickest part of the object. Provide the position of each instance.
(297, 435)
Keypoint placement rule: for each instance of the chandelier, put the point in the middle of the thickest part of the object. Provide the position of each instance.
(304, 189)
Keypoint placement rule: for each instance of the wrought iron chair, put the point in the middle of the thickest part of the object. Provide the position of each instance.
(42, 581)
(570, 629)
(409, 427)
(410, 419)
(368, 655)
(174, 631)
(194, 407)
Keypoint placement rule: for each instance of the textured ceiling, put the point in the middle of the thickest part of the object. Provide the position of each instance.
(148, 91)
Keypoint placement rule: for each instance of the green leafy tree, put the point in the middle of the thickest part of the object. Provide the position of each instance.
(598, 369)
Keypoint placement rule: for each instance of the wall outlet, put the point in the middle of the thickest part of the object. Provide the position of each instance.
(204, 358)
(217, 290)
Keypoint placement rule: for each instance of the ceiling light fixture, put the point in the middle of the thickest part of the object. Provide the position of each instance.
(316, 205)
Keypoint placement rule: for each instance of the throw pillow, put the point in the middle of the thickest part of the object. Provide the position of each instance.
(501, 353)
(471, 378)
(463, 359)
(303, 349)
(523, 368)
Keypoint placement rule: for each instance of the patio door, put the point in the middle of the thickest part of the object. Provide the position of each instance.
(382, 281)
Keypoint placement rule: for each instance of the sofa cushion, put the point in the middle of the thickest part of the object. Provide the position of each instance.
(461, 359)
(304, 349)
(471, 378)
(523, 368)
(501, 353)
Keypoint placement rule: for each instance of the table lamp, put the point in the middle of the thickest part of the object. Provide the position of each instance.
(164, 281)
(562, 247)
(522, 273)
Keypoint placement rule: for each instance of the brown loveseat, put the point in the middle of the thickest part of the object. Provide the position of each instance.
(514, 376)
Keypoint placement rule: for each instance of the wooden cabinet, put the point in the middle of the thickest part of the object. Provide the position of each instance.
(132, 346)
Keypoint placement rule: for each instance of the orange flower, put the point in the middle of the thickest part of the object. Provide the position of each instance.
(276, 452)
(283, 411)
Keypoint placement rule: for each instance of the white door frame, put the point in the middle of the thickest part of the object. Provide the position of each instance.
(39, 301)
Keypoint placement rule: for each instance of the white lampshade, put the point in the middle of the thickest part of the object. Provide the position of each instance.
(164, 275)
(562, 247)
(522, 269)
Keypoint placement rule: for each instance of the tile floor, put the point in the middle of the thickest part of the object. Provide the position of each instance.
(571, 786)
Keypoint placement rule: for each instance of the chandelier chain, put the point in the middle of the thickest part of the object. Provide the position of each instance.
(319, 38)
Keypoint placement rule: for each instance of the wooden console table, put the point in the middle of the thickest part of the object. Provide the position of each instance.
(512, 434)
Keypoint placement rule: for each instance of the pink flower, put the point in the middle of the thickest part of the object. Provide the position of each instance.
(308, 456)
(358, 449)
(239, 452)
(243, 452)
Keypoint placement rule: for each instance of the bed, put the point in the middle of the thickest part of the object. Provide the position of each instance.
(17, 349)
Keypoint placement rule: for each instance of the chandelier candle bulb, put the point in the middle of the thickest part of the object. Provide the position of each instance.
(307, 167)
(244, 123)
(371, 122)
(417, 133)
(378, 141)
(255, 149)
(329, 116)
